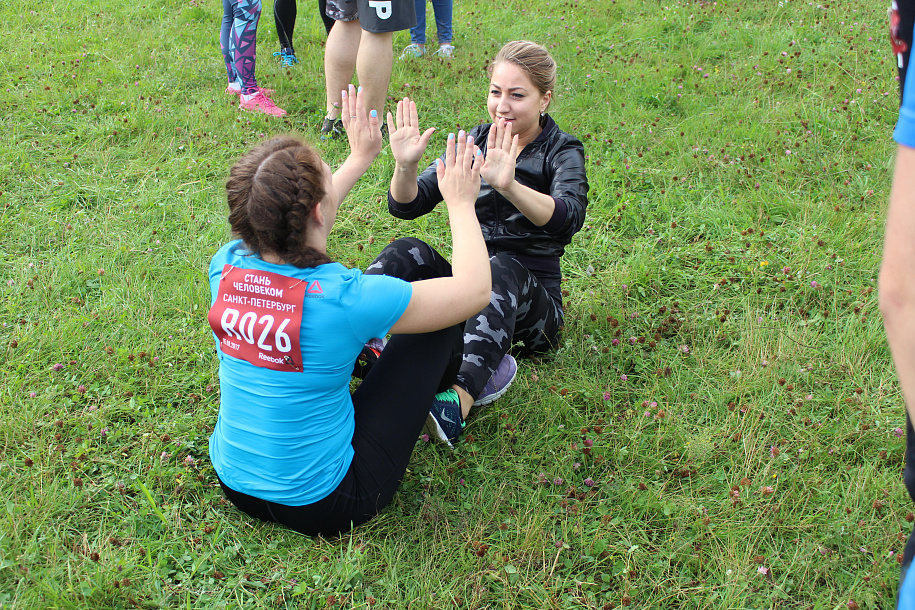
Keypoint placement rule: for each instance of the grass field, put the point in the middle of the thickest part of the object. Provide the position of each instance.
(721, 427)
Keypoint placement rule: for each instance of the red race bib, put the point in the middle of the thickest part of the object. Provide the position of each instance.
(257, 317)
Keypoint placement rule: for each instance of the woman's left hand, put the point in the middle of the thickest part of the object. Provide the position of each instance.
(362, 129)
(501, 151)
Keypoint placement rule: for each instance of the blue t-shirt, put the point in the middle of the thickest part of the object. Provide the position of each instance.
(285, 426)
(907, 591)
(905, 126)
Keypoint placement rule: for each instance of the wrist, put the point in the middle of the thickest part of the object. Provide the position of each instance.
(507, 190)
(361, 158)
(406, 168)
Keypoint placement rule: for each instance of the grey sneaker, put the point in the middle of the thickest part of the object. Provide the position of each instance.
(499, 382)
(413, 51)
(446, 51)
(444, 422)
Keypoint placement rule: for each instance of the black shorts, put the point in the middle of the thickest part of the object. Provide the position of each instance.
(375, 15)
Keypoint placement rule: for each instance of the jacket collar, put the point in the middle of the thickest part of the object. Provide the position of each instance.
(547, 125)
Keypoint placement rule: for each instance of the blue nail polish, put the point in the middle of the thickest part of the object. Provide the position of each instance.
(479, 152)
(450, 136)
(359, 90)
(374, 113)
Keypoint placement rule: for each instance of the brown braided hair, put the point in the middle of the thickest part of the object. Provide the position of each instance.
(272, 191)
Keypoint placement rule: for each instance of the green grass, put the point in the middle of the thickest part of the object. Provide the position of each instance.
(699, 361)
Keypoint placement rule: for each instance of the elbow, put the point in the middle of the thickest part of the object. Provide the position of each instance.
(482, 295)
(896, 297)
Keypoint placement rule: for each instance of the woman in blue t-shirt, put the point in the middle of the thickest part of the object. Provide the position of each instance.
(291, 444)
(897, 291)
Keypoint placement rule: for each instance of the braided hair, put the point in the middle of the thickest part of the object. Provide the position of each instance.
(272, 191)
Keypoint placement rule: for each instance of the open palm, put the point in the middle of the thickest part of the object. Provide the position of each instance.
(501, 151)
(407, 143)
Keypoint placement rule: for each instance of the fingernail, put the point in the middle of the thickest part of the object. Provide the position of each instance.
(359, 90)
(479, 152)
(470, 139)
(374, 113)
(461, 133)
(450, 136)
(343, 94)
(437, 161)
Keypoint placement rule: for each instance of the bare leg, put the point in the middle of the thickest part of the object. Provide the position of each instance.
(340, 60)
(373, 65)
(466, 400)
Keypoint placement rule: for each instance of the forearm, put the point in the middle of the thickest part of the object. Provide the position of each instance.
(536, 206)
(349, 173)
(897, 280)
(470, 259)
(403, 182)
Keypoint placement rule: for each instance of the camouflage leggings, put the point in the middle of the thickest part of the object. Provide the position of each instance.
(520, 316)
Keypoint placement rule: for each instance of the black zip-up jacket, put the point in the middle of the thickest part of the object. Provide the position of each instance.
(553, 164)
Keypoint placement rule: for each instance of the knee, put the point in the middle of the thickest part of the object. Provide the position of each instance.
(506, 272)
(403, 245)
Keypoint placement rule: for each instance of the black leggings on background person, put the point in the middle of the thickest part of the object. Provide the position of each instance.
(284, 15)
(520, 316)
(391, 405)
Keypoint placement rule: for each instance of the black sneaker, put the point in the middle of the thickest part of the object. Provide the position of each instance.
(331, 128)
(444, 422)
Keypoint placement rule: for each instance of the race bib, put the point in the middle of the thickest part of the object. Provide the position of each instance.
(257, 317)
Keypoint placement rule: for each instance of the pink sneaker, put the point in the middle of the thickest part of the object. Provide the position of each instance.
(235, 89)
(260, 102)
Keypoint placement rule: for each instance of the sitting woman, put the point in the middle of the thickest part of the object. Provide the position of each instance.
(291, 444)
(531, 203)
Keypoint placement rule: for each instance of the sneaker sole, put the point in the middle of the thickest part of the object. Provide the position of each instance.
(276, 116)
(494, 397)
(435, 431)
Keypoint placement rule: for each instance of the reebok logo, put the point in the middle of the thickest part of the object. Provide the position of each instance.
(314, 291)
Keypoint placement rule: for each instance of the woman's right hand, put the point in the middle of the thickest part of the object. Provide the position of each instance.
(407, 144)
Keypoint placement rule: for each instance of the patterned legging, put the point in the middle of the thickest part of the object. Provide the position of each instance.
(238, 41)
(520, 316)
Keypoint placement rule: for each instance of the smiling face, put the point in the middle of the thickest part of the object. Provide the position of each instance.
(515, 98)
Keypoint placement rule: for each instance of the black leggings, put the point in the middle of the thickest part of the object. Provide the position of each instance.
(520, 316)
(391, 406)
(284, 14)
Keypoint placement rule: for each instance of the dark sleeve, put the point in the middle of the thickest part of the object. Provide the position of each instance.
(427, 197)
(569, 189)
(427, 194)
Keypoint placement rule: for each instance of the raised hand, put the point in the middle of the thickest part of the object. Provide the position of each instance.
(459, 175)
(407, 144)
(362, 130)
(501, 152)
